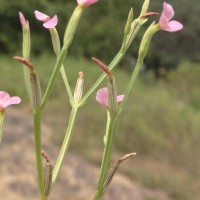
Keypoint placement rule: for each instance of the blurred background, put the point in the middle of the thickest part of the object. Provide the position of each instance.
(161, 121)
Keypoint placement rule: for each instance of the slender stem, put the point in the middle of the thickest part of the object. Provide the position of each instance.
(106, 156)
(53, 77)
(65, 145)
(68, 37)
(37, 137)
(65, 80)
(56, 47)
(130, 86)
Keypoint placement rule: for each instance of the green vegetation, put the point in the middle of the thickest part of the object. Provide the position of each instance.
(160, 122)
(102, 33)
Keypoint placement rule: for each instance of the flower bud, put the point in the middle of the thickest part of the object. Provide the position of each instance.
(145, 7)
(79, 88)
(47, 174)
(35, 90)
(144, 46)
(128, 23)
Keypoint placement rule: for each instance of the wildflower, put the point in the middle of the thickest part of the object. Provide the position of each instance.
(48, 22)
(86, 2)
(6, 100)
(165, 21)
(102, 97)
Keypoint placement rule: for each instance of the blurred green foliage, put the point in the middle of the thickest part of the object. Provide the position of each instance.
(101, 29)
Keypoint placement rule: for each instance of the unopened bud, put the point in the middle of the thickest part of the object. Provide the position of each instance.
(79, 88)
(144, 46)
(35, 90)
(55, 40)
(23, 21)
(103, 66)
(148, 14)
(145, 7)
(113, 170)
(47, 174)
(128, 23)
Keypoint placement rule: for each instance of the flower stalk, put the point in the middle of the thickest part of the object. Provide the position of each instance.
(65, 145)
(38, 149)
(68, 37)
(108, 141)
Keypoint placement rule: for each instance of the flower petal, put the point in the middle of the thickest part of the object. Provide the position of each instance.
(51, 23)
(168, 11)
(120, 98)
(102, 96)
(4, 95)
(41, 16)
(174, 26)
(15, 100)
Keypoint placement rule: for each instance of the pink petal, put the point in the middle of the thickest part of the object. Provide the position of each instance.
(15, 100)
(174, 26)
(120, 98)
(41, 16)
(168, 11)
(6, 100)
(102, 96)
(51, 23)
(86, 2)
(4, 95)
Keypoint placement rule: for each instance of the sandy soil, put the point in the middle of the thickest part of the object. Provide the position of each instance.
(78, 177)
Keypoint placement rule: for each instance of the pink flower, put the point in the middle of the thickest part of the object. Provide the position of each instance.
(48, 22)
(102, 97)
(86, 2)
(166, 16)
(6, 100)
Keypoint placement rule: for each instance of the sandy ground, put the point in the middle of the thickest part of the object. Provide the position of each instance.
(78, 178)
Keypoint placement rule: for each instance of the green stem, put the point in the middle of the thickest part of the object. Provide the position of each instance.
(130, 86)
(56, 47)
(144, 46)
(53, 77)
(66, 83)
(65, 145)
(37, 137)
(68, 37)
(106, 156)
